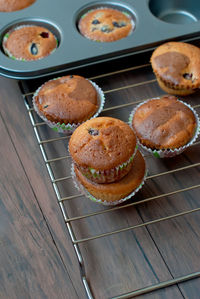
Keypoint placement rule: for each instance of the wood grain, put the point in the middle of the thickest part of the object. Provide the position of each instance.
(19, 129)
(31, 266)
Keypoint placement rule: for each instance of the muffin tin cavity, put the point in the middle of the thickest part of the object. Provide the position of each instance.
(75, 50)
(175, 11)
(44, 34)
(102, 24)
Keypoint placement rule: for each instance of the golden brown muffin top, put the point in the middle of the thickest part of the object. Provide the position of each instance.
(69, 99)
(118, 189)
(105, 25)
(14, 5)
(29, 42)
(102, 143)
(177, 64)
(164, 123)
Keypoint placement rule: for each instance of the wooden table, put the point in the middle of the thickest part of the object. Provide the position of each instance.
(157, 243)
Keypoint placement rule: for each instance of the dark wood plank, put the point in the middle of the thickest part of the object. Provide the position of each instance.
(21, 132)
(31, 266)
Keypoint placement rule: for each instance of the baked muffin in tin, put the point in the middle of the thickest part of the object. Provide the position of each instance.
(14, 5)
(29, 42)
(106, 24)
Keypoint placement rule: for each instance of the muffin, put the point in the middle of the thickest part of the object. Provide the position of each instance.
(177, 67)
(105, 24)
(67, 101)
(165, 126)
(116, 192)
(29, 43)
(14, 5)
(103, 149)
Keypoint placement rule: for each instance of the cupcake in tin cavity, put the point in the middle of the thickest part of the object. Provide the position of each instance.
(66, 102)
(103, 149)
(106, 24)
(14, 5)
(29, 42)
(177, 67)
(116, 192)
(164, 126)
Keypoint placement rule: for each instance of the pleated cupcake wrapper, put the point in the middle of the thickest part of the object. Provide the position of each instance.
(167, 153)
(9, 54)
(124, 12)
(115, 171)
(85, 192)
(69, 128)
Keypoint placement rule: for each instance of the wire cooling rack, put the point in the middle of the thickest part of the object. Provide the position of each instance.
(121, 98)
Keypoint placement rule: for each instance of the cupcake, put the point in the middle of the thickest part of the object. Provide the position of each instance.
(165, 126)
(66, 102)
(105, 24)
(14, 5)
(29, 42)
(103, 149)
(177, 67)
(115, 192)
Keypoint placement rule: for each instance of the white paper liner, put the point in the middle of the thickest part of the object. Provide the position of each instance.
(167, 153)
(69, 128)
(116, 170)
(85, 192)
(102, 7)
(10, 55)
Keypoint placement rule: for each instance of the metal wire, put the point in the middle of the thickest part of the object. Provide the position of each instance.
(139, 225)
(68, 220)
(158, 286)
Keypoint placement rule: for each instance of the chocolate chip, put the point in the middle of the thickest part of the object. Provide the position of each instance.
(93, 132)
(44, 34)
(34, 49)
(95, 22)
(115, 24)
(187, 76)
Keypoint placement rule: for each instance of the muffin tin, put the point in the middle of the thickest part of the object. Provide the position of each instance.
(156, 21)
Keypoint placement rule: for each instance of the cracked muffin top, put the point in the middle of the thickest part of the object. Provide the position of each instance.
(29, 42)
(102, 143)
(106, 24)
(164, 123)
(68, 99)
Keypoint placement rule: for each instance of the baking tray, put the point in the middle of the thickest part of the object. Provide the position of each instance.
(156, 21)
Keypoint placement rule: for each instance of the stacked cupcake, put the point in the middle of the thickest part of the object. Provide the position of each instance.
(107, 166)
